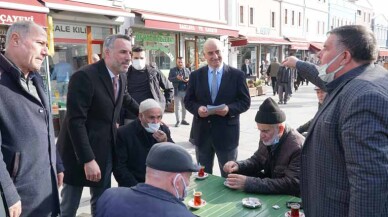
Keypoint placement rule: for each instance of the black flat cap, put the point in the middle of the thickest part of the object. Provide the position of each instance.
(170, 157)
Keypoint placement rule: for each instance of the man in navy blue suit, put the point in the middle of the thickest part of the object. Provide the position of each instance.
(216, 130)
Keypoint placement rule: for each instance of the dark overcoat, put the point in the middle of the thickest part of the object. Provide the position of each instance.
(28, 153)
(89, 128)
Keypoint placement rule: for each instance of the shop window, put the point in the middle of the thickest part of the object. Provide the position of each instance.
(273, 19)
(241, 14)
(285, 16)
(251, 16)
(3, 33)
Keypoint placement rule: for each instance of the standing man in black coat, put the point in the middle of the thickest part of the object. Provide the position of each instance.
(216, 131)
(246, 68)
(86, 140)
(28, 154)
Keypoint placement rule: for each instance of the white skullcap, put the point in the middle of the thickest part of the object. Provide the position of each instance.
(149, 104)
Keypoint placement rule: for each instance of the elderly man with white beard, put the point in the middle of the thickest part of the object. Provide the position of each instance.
(274, 168)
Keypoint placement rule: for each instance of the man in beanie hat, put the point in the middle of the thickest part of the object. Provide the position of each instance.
(278, 156)
(135, 139)
(169, 167)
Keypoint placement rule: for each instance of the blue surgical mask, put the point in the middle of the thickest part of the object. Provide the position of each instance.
(184, 187)
(328, 77)
(152, 128)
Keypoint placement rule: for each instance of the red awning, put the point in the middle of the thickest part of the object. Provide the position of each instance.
(300, 46)
(383, 52)
(12, 11)
(24, 5)
(74, 6)
(267, 40)
(181, 24)
(241, 40)
(316, 46)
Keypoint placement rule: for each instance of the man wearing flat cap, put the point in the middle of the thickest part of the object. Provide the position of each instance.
(135, 139)
(274, 168)
(169, 167)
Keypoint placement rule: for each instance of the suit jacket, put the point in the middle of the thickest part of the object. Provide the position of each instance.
(244, 69)
(233, 92)
(89, 128)
(28, 153)
(345, 157)
(175, 82)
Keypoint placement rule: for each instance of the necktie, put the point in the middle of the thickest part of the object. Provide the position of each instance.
(214, 88)
(115, 82)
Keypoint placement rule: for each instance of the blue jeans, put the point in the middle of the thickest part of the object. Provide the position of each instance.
(71, 195)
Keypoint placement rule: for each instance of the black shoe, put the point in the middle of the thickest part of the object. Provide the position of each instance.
(177, 124)
(185, 122)
(285, 102)
(280, 102)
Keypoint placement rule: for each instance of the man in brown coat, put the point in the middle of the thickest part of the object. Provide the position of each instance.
(278, 156)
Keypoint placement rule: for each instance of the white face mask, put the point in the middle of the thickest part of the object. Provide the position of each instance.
(328, 77)
(275, 138)
(184, 187)
(138, 64)
(152, 128)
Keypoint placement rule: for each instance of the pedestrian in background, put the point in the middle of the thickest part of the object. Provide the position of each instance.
(86, 140)
(272, 72)
(179, 76)
(28, 175)
(345, 157)
(216, 131)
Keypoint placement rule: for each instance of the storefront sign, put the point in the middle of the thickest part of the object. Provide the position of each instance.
(8, 17)
(69, 31)
(154, 37)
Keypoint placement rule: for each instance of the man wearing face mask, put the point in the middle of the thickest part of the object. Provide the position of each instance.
(344, 159)
(135, 139)
(145, 82)
(278, 156)
(165, 187)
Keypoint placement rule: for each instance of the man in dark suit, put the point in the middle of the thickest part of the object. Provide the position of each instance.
(216, 131)
(246, 68)
(28, 154)
(179, 76)
(344, 157)
(86, 140)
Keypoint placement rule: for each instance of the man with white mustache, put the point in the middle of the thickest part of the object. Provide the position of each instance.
(278, 157)
(134, 141)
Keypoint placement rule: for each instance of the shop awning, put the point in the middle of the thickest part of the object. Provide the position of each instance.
(12, 11)
(75, 6)
(267, 40)
(241, 40)
(181, 24)
(299, 46)
(298, 43)
(383, 52)
(316, 46)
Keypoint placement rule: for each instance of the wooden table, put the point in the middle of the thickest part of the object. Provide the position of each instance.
(223, 201)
